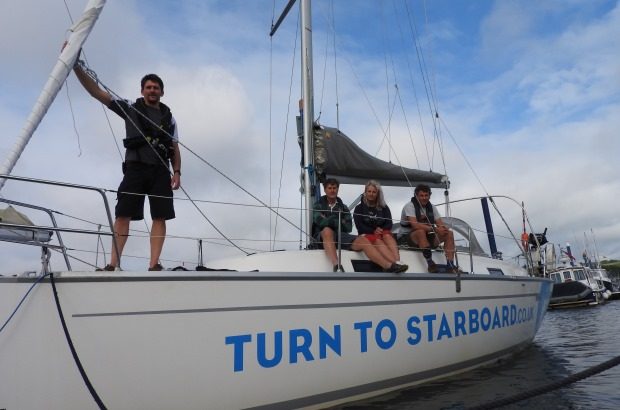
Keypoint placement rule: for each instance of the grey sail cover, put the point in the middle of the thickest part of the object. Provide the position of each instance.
(337, 156)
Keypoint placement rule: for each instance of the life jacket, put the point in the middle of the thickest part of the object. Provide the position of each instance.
(157, 136)
(427, 216)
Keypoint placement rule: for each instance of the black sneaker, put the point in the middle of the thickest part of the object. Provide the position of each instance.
(157, 267)
(397, 268)
(106, 268)
(338, 268)
(454, 269)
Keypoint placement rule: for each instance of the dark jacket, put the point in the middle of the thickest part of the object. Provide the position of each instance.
(323, 216)
(368, 218)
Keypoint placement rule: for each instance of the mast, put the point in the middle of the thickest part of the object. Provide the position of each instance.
(79, 32)
(308, 109)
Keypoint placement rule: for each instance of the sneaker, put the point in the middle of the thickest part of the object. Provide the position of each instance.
(397, 268)
(157, 267)
(432, 267)
(452, 268)
(107, 268)
(402, 267)
(338, 268)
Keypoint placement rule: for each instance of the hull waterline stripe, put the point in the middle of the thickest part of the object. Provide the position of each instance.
(393, 383)
(299, 307)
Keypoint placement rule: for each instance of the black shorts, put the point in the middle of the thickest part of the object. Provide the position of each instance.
(144, 179)
(346, 240)
(405, 240)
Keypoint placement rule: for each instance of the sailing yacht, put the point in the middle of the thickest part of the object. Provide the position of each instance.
(270, 330)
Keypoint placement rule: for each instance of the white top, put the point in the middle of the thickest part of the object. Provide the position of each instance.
(409, 210)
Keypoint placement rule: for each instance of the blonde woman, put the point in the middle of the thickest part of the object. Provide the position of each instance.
(373, 221)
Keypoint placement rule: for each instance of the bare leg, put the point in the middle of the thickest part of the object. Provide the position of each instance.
(391, 244)
(384, 250)
(449, 248)
(121, 230)
(419, 236)
(364, 245)
(329, 245)
(158, 235)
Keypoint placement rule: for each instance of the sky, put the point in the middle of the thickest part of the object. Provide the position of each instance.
(527, 95)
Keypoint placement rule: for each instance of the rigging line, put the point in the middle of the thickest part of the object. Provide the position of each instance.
(273, 226)
(77, 134)
(387, 81)
(440, 146)
(413, 86)
(213, 167)
(68, 12)
(387, 137)
(397, 94)
(424, 67)
(471, 168)
(360, 85)
(69, 96)
(402, 107)
(288, 113)
(100, 243)
(420, 56)
(324, 75)
(504, 220)
(93, 75)
(333, 18)
(273, 13)
(36, 282)
(329, 20)
(75, 258)
(432, 78)
(71, 105)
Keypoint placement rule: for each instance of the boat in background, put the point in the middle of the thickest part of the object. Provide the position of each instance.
(272, 330)
(598, 272)
(611, 290)
(573, 285)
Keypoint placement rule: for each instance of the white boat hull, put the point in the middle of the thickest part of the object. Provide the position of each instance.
(228, 340)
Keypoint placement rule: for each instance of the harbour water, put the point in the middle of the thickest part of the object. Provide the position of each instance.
(568, 342)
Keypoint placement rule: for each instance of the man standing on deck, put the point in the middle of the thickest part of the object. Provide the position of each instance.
(151, 145)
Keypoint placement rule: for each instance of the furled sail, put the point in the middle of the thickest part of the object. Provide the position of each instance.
(79, 32)
(337, 156)
(11, 234)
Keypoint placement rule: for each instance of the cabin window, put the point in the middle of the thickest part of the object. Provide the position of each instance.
(556, 278)
(580, 275)
(566, 275)
(495, 272)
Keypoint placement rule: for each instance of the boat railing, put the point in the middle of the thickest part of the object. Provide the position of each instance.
(489, 232)
(55, 228)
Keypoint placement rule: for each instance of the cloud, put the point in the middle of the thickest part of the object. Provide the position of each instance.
(530, 94)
